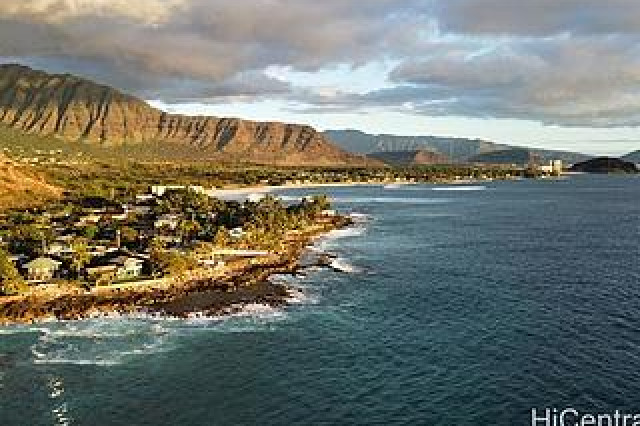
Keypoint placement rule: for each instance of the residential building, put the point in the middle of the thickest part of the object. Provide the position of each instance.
(42, 269)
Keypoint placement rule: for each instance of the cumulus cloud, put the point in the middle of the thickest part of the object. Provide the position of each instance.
(569, 62)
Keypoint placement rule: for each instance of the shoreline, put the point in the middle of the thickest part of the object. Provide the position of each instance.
(212, 294)
(265, 189)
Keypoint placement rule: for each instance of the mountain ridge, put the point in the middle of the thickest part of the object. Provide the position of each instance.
(421, 157)
(79, 110)
(460, 150)
(633, 157)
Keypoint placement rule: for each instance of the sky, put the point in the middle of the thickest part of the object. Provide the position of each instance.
(562, 74)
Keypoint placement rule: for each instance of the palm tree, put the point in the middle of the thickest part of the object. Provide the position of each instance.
(80, 256)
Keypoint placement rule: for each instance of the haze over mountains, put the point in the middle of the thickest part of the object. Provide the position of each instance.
(459, 150)
(78, 110)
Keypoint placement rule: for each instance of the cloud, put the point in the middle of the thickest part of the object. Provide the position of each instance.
(201, 39)
(538, 17)
(569, 62)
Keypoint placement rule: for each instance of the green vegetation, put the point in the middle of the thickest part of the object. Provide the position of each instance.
(11, 282)
(95, 240)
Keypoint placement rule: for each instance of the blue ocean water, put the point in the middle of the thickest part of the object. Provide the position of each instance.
(457, 306)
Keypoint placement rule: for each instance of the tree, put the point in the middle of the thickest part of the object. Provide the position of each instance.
(91, 231)
(221, 238)
(80, 256)
(171, 263)
(128, 235)
(11, 282)
(189, 229)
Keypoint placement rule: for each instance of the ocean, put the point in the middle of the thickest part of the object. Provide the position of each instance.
(449, 305)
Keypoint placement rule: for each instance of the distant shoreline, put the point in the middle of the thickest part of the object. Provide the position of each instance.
(264, 189)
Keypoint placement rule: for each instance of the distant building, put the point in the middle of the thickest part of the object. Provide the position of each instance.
(557, 167)
(160, 190)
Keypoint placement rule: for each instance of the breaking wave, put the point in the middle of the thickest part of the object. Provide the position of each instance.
(342, 265)
(104, 342)
(460, 188)
(377, 200)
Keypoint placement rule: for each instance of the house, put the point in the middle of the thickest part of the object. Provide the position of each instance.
(90, 218)
(127, 268)
(141, 210)
(236, 232)
(169, 239)
(97, 272)
(42, 269)
(144, 197)
(120, 217)
(59, 248)
(160, 190)
(96, 250)
(168, 220)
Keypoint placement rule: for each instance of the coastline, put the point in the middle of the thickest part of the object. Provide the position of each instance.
(204, 292)
(264, 189)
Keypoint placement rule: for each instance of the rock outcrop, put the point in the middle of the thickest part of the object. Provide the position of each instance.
(605, 165)
(76, 109)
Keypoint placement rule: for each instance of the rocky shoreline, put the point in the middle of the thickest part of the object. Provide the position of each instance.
(207, 297)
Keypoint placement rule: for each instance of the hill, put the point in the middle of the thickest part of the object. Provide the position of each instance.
(633, 157)
(505, 156)
(605, 165)
(460, 150)
(78, 110)
(20, 187)
(411, 158)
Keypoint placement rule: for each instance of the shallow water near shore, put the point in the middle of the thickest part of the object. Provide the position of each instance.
(454, 306)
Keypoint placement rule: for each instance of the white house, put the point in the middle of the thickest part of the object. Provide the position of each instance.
(42, 269)
(168, 220)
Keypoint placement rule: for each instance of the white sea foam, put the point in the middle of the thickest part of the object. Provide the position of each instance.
(342, 265)
(360, 217)
(297, 296)
(103, 342)
(250, 318)
(390, 200)
(377, 200)
(352, 231)
(460, 188)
